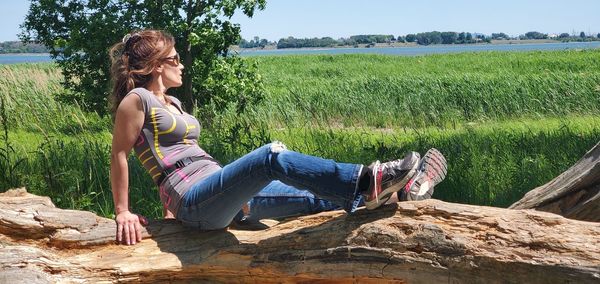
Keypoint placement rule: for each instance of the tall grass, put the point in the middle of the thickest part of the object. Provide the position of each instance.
(436, 90)
(507, 122)
(30, 94)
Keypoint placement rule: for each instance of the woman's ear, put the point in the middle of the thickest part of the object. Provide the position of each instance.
(159, 69)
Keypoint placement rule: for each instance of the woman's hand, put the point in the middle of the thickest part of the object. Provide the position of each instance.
(129, 227)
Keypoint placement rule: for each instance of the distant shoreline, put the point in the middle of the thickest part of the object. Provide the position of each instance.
(236, 48)
(403, 44)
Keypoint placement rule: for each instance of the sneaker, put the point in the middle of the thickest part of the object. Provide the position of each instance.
(388, 178)
(431, 171)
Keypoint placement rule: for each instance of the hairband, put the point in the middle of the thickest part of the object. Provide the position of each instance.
(126, 41)
(128, 36)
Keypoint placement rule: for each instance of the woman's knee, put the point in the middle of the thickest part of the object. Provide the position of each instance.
(275, 147)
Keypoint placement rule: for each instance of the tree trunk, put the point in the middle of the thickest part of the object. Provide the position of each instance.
(188, 61)
(574, 194)
(409, 242)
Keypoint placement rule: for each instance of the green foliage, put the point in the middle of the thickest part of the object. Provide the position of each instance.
(31, 94)
(429, 38)
(436, 90)
(500, 36)
(9, 163)
(78, 34)
(436, 37)
(254, 43)
(292, 42)
(565, 37)
(365, 39)
(449, 37)
(237, 84)
(535, 35)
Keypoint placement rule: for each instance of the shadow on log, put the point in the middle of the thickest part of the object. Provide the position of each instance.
(574, 194)
(410, 242)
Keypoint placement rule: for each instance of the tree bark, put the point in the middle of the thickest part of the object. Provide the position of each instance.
(409, 242)
(574, 194)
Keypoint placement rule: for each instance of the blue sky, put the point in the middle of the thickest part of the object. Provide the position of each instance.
(343, 18)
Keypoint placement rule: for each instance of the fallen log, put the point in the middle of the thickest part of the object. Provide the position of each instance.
(573, 194)
(409, 242)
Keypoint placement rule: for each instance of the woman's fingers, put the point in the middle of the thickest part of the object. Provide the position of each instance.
(132, 233)
(138, 232)
(126, 233)
(129, 228)
(119, 233)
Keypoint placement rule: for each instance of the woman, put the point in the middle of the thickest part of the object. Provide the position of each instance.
(193, 187)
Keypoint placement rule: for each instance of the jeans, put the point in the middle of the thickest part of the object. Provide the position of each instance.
(278, 200)
(213, 202)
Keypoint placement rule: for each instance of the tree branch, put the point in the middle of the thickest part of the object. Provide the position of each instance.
(416, 242)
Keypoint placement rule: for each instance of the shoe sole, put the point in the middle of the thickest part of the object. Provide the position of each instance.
(387, 193)
(432, 170)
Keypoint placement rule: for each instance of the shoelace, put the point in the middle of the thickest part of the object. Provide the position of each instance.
(379, 168)
(376, 175)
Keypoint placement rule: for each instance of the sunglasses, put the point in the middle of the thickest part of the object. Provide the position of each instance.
(176, 59)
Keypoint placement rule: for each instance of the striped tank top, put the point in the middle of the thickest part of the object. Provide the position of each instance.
(166, 138)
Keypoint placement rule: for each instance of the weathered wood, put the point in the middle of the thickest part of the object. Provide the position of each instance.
(574, 194)
(409, 242)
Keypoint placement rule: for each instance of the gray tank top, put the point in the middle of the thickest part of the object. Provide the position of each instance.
(166, 138)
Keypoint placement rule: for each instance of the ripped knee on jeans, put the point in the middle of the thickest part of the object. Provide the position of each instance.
(277, 147)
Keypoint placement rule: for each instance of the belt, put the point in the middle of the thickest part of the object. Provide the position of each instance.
(180, 164)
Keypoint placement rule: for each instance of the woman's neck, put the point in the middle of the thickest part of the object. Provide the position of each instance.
(158, 90)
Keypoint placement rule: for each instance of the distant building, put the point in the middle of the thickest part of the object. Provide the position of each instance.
(553, 36)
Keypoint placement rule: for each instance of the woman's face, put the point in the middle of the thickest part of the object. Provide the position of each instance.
(172, 67)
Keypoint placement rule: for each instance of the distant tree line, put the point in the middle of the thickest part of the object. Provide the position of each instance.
(426, 38)
(256, 42)
(582, 36)
(366, 39)
(436, 37)
(20, 47)
(292, 42)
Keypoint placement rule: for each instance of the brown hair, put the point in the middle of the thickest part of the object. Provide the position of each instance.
(133, 60)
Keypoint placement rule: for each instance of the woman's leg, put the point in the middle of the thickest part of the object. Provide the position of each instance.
(278, 200)
(213, 202)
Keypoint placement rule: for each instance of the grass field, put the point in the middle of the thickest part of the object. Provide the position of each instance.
(507, 122)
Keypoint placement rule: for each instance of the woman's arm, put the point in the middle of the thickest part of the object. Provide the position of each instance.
(129, 121)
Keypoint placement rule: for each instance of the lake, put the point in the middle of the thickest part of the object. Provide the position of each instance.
(400, 51)
(24, 58)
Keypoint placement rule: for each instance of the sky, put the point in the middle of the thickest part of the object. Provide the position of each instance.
(343, 18)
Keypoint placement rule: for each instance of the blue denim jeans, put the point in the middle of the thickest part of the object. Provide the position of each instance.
(213, 202)
(279, 200)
